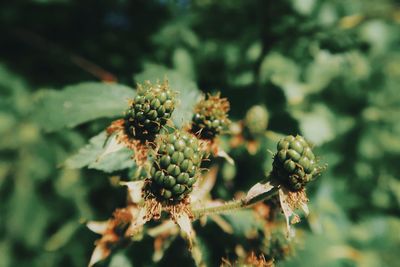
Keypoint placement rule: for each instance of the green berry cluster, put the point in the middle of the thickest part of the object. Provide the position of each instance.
(256, 121)
(210, 117)
(176, 166)
(149, 111)
(294, 164)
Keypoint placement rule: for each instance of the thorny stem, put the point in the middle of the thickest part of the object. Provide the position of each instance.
(234, 204)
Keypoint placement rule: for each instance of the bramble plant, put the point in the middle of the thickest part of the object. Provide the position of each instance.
(193, 133)
(178, 168)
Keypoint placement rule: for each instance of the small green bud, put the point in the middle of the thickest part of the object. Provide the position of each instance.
(256, 122)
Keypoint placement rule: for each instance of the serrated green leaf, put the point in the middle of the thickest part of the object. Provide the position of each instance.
(90, 154)
(79, 103)
(188, 92)
(113, 162)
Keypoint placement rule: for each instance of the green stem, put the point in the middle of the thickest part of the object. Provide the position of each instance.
(234, 204)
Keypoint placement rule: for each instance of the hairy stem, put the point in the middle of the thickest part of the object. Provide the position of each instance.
(233, 205)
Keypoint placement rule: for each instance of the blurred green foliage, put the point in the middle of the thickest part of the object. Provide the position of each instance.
(329, 70)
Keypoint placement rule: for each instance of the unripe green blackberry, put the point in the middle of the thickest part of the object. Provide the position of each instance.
(210, 117)
(176, 166)
(149, 110)
(294, 164)
(256, 121)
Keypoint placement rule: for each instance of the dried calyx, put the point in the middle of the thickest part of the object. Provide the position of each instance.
(210, 117)
(294, 164)
(149, 111)
(176, 167)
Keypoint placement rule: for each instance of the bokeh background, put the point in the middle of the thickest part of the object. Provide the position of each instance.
(329, 70)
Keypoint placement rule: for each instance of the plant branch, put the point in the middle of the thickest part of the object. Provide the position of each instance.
(234, 204)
